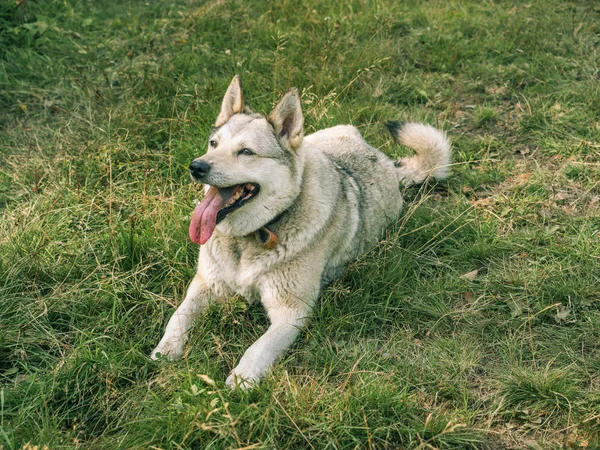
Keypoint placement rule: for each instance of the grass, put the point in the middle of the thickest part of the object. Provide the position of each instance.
(103, 105)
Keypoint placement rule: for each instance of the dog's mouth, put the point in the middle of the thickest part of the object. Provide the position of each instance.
(216, 205)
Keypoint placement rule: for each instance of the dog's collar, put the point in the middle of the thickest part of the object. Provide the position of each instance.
(265, 236)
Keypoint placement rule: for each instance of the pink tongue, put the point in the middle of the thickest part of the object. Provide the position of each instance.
(204, 218)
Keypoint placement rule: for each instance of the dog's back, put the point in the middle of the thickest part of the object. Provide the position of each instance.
(368, 186)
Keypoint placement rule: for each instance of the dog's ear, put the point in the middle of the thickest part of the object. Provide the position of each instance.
(288, 121)
(233, 102)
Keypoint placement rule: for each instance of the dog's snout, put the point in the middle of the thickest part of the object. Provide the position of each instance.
(199, 168)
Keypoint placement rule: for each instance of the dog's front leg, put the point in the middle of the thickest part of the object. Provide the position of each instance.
(288, 313)
(176, 333)
(260, 356)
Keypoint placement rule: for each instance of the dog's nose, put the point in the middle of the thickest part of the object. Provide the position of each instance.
(199, 168)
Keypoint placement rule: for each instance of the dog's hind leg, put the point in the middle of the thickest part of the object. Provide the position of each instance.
(176, 333)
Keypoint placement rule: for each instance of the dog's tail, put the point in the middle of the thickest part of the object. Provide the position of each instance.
(432, 147)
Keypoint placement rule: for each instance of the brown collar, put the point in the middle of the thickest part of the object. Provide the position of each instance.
(267, 238)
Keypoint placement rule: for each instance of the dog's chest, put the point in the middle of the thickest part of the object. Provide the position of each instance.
(235, 265)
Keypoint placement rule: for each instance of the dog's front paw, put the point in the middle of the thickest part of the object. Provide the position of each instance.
(170, 349)
(242, 379)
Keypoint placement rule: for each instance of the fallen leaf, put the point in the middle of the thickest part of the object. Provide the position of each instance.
(495, 90)
(522, 178)
(562, 312)
(536, 420)
(470, 275)
(483, 202)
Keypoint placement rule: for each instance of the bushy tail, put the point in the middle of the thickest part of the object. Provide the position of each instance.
(432, 147)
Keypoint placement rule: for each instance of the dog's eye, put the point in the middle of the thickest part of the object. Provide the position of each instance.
(212, 143)
(246, 151)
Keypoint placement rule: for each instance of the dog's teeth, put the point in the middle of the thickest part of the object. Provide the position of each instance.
(243, 191)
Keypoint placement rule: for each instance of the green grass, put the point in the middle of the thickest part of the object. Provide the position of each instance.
(103, 105)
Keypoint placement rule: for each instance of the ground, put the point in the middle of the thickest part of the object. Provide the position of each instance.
(474, 324)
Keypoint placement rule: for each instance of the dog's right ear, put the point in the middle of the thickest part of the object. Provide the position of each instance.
(233, 102)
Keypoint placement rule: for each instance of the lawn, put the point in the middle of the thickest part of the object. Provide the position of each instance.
(475, 323)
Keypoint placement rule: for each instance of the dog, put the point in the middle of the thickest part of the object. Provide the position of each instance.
(283, 213)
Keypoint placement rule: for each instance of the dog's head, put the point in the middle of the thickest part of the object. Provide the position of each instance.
(252, 169)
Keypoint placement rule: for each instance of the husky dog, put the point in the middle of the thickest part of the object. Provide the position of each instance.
(283, 213)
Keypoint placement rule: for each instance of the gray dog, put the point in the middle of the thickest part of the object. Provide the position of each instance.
(283, 213)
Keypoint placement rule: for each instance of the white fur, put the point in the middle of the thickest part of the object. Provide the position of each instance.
(432, 156)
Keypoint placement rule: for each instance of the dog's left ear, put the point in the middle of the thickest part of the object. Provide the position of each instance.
(233, 102)
(288, 121)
